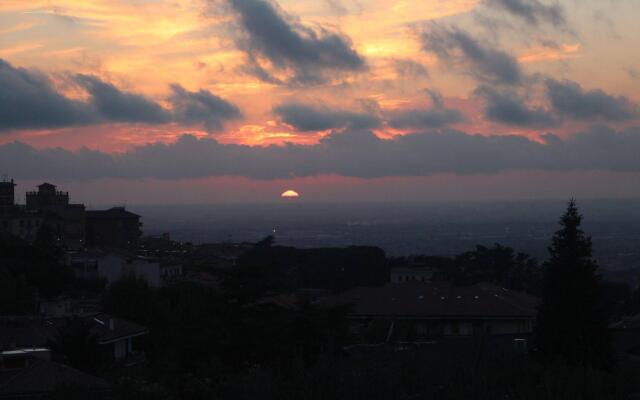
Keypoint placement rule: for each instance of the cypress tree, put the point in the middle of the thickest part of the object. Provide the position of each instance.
(572, 321)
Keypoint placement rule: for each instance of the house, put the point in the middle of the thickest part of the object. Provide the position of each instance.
(120, 338)
(415, 311)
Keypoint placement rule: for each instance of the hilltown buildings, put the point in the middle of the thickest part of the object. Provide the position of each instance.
(71, 225)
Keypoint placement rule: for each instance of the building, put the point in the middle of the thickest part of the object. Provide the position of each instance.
(47, 197)
(7, 192)
(15, 220)
(70, 224)
(120, 340)
(416, 311)
(115, 227)
(114, 266)
(399, 275)
(65, 220)
(21, 223)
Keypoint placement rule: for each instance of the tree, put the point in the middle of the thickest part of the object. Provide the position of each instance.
(77, 345)
(498, 264)
(17, 297)
(572, 320)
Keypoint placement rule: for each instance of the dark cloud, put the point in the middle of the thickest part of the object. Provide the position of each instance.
(533, 11)
(355, 153)
(506, 107)
(571, 100)
(201, 107)
(457, 48)
(28, 100)
(438, 116)
(273, 39)
(410, 69)
(118, 106)
(307, 118)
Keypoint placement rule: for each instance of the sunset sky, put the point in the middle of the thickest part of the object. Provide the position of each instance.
(197, 101)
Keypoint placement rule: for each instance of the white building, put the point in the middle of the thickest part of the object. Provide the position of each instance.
(116, 266)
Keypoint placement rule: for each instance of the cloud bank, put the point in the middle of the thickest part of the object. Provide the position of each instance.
(353, 153)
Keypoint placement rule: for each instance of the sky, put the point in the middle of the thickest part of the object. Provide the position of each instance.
(205, 101)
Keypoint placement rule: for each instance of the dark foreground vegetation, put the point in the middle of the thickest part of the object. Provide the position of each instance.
(249, 338)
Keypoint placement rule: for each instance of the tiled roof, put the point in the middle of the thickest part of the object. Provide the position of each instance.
(437, 300)
(42, 377)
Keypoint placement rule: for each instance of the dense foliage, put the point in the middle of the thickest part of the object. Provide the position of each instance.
(573, 321)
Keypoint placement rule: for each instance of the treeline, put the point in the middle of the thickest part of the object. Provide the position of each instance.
(200, 337)
(498, 264)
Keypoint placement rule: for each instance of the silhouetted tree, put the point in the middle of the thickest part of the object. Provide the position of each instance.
(17, 297)
(77, 345)
(572, 321)
(40, 263)
(632, 305)
(498, 264)
(130, 299)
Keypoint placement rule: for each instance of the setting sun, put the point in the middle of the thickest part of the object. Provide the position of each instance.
(289, 194)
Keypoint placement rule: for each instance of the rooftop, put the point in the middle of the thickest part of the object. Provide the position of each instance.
(112, 213)
(438, 300)
(41, 377)
(109, 329)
